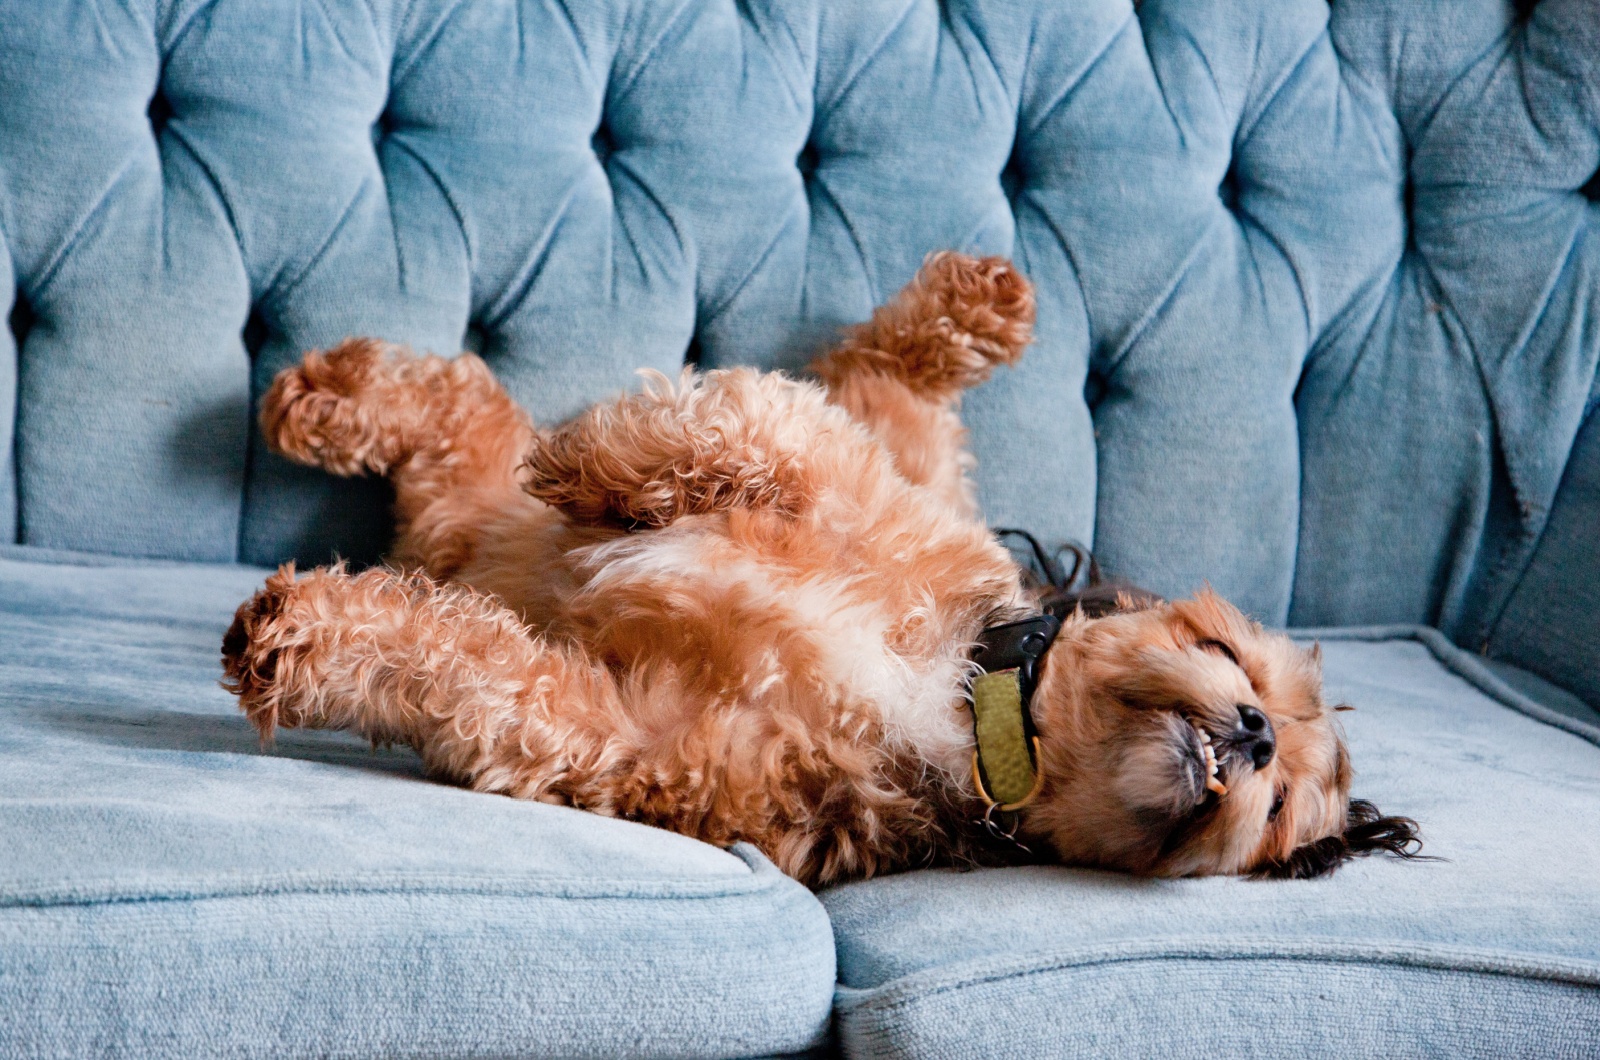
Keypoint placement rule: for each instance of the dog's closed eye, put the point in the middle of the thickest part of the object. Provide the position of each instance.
(1220, 648)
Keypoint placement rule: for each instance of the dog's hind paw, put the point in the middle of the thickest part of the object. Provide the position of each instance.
(253, 652)
(367, 406)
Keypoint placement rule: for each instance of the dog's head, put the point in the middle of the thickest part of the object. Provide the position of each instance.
(1135, 708)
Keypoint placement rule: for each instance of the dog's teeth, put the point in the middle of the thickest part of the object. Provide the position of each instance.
(1210, 754)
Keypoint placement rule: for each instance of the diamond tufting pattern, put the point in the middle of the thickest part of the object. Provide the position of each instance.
(1329, 273)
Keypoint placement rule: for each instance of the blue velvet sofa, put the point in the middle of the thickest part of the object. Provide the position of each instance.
(1319, 322)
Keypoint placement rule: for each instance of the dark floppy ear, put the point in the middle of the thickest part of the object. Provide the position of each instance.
(1366, 832)
(1107, 598)
(1097, 601)
(1082, 586)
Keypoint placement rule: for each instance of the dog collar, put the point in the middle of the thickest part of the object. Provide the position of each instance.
(1005, 760)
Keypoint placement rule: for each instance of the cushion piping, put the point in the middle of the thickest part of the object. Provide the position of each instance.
(761, 876)
(1464, 665)
(920, 986)
(65, 557)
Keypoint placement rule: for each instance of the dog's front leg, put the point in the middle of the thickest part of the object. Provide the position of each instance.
(444, 432)
(450, 671)
(902, 373)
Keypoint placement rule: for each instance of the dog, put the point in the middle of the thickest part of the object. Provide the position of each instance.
(749, 607)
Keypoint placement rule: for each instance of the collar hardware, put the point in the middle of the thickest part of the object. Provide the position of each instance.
(1008, 832)
(1005, 758)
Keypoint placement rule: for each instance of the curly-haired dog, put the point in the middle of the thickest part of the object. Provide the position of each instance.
(744, 607)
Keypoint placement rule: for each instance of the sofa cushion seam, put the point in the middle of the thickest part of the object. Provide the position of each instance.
(581, 891)
(1418, 958)
(1460, 662)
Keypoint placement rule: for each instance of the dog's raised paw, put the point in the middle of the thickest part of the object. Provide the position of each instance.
(984, 299)
(946, 331)
(317, 412)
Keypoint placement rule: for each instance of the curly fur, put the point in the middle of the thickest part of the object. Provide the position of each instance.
(741, 606)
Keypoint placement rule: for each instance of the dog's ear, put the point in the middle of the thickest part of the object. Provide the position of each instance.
(1097, 601)
(1080, 586)
(1366, 832)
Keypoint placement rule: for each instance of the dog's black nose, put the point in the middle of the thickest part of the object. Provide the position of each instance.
(1255, 735)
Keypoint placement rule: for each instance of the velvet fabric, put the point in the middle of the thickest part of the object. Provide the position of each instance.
(1317, 299)
(1492, 951)
(1316, 284)
(170, 889)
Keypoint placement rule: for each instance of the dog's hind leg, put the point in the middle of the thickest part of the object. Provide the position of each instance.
(902, 373)
(450, 671)
(444, 431)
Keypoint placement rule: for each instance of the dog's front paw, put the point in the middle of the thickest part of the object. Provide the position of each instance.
(254, 650)
(984, 309)
(324, 411)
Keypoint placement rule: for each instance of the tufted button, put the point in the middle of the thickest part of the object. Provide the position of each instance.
(1228, 189)
(383, 126)
(1591, 190)
(1094, 388)
(807, 160)
(21, 319)
(602, 143)
(255, 333)
(158, 111)
(1013, 178)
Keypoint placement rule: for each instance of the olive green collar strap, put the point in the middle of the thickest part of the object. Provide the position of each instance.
(1005, 761)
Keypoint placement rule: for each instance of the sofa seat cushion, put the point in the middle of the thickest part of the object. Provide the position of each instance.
(1493, 952)
(168, 889)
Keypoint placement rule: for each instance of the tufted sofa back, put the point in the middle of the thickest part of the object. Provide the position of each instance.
(1317, 286)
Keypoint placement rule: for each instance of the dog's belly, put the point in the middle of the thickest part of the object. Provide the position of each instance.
(526, 555)
(770, 628)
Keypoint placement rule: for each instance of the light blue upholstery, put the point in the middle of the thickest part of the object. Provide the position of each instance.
(1494, 952)
(1317, 324)
(166, 889)
(8, 401)
(1551, 623)
(1328, 278)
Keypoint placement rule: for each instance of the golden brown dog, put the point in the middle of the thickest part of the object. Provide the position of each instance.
(742, 607)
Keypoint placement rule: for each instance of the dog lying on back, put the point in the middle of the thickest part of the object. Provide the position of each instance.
(744, 607)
